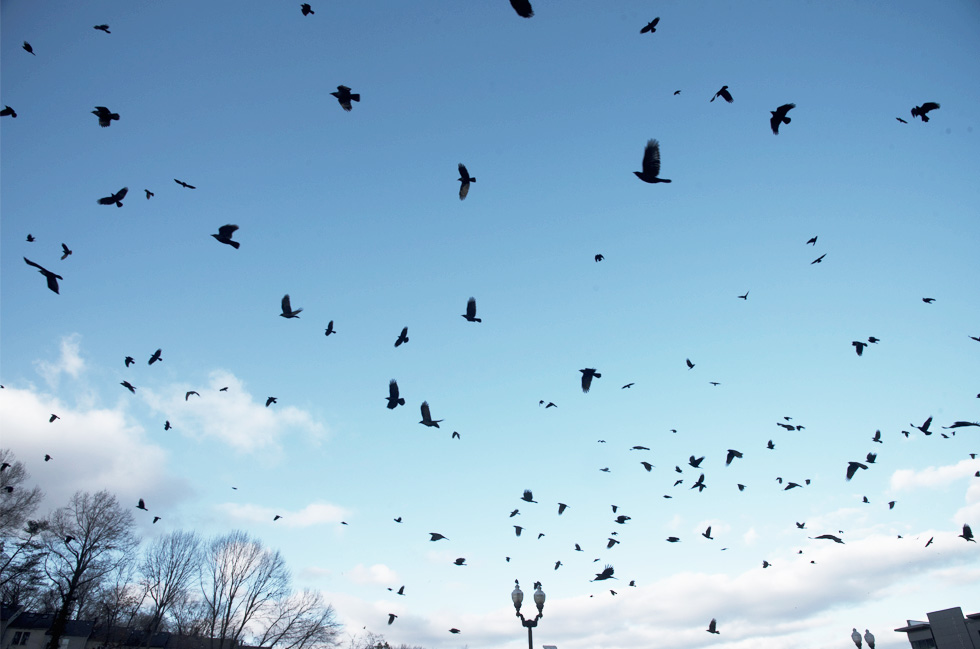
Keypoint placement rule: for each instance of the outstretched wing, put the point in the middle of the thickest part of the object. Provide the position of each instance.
(121, 194)
(471, 308)
(426, 415)
(227, 230)
(393, 390)
(522, 7)
(286, 308)
(651, 159)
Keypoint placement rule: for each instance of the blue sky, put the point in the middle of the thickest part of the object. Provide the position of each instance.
(356, 216)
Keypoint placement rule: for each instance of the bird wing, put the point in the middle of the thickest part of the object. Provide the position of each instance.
(522, 7)
(286, 308)
(586, 380)
(651, 158)
(929, 105)
(471, 308)
(121, 194)
(35, 265)
(227, 230)
(463, 173)
(393, 389)
(727, 96)
(464, 189)
(785, 108)
(426, 415)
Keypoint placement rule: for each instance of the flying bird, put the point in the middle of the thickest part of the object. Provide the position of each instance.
(129, 386)
(148, 194)
(611, 542)
(673, 539)
(801, 526)
(276, 517)
(435, 536)
(852, 468)
(859, 346)
(287, 309)
(607, 573)
(187, 395)
(157, 356)
(873, 340)
(271, 400)
(30, 238)
(166, 425)
(103, 28)
(695, 462)
(598, 258)
(454, 630)
(724, 94)
(427, 416)
(470, 314)
(27, 48)
(712, 626)
(651, 27)
(877, 437)
(561, 508)
(732, 454)
(812, 241)
(779, 117)
(707, 534)
(461, 561)
(225, 233)
(522, 7)
(393, 399)
(528, 496)
(828, 537)
(105, 116)
(647, 466)
(871, 457)
(464, 181)
(306, 9)
(142, 505)
(770, 445)
(928, 300)
(344, 97)
(690, 365)
(744, 297)
(391, 618)
(183, 184)
(967, 534)
(587, 375)
(129, 361)
(65, 251)
(901, 120)
(924, 427)
(628, 385)
(8, 111)
(699, 484)
(115, 198)
(52, 418)
(621, 519)
(52, 278)
(819, 259)
(923, 110)
(329, 330)
(651, 164)
(402, 337)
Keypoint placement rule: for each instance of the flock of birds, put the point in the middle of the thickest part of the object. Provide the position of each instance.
(649, 173)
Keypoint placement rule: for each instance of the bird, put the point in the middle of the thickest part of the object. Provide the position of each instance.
(962, 424)
(129, 361)
(402, 337)
(523, 8)
(976, 338)
(455, 435)
(891, 504)
(224, 389)
(398, 520)
(464, 181)
(695, 462)
(713, 626)
(105, 116)
(877, 437)
(454, 630)
(225, 233)
(114, 198)
(621, 519)
(155, 357)
(65, 251)
(801, 526)
(651, 164)
(587, 375)
(859, 346)
(828, 537)
(677, 92)
(707, 534)
(873, 340)
(558, 564)
(166, 425)
(551, 404)
(599, 258)
(52, 418)
(869, 638)
(819, 259)
(871, 457)
(724, 94)
(329, 330)
(700, 484)
(103, 28)
(427, 417)
(924, 427)
(8, 111)
(435, 536)
(27, 48)
(673, 539)
(918, 111)
(461, 561)
(852, 468)
(607, 573)
(270, 400)
(149, 194)
(770, 445)
(628, 385)
(651, 26)
(344, 97)
(276, 517)
(306, 9)
(47, 458)
(928, 300)
(391, 618)
(52, 278)
(183, 184)
(611, 542)
(640, 448)
(690, 365)
(744, 297)
(812, 241)
(901, 120)
(141, 505)
(287, 309)
(647, 466)
(561, 508)
(393, 399)
(30, 238)
(856, 638)
(967, 534)
(732, 454)
(779, 117)
(129, 386)
(470, 314)
(765, 564)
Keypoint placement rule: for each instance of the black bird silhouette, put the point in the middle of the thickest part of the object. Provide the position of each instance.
(967, 534)
(427, 417)
(961, 424)
(470, 314)
(713, 626)
(287, 309)
(518, 529)
(891, 504)
(976, 338)
(129, 386)
(812, 241)
(129, 361)
(877, 437)
(166, 425)
(28, 48)
(514, 513)
(695, 462)
(651, 27)
(928, 300)
(142, 505)
(651, 164)
(402, 337)
(270, 400)
(344, 97)
(765, 564)
(744, 297)
(183, 184)
(391, 617)
(52, 278)
(65, 252)
(724, 94)
(103, 28)
(52, 418)
(770, 445)
(393, 399)
(561, 508)
(647, 466)
(225, 233)
(707, 534)
(924, 427)
(611, 542)
(599, 258)
(628, 385)
(148, 194)
(859, 346)
(115, 198)
(690, 365)
(870, 458)
(587, 375)
(464, 181)
(105, 116)
(307, 9)
(640, 448)
(522, 7)
(8, 111)
(607, 573)
(901, 120)
(157, 356)
(187, 395)
(435, 536)
(454, 630)
(819, 259)
(30, 238)
(621, 519)
(455, 435)
(828, 537)
(329, 330)
(673, 539)
(801, 526)
(276, 517)
(921, 111)
(732, 454)
(699, 484)
(779, 117)
(461, 561)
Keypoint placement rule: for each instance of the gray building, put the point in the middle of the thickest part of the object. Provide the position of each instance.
(946, 629)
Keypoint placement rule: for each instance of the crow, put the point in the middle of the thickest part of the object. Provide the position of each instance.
(690, 365)
(877, 437)
(859, 346)
(967, 534)
(402, 337)
(52, 418)
(873, 340)
(103, 28)
(464, 181)
(155, 519)
(149, 194)
(587, 375)
(27, 48)
(287, 309)
(707, 534)
(651, 164)
(393, 399)
(225, 233)
(921, 111)
(435, 536)
(621, 519)
(611, 543)
(454, 630)
(528, 496)
(30, 238)
(129, 361)
(628, 385)
(801, 526)
(871, 457)
(924, 427)
(470, 314)
(183, 184)
(427, 417)
(166, 425)
(928, 300)
(270, 400)
(607, 573)
(64, 252)
(770, 445)
(651, 27)
(695, 462)
(744, 297)
(828, 537)
(155, 357)
(647, 466)
(724, 94)
(712, 626)
(812, 241)
(732, 454)
(461, 561)
(141, 505)
(276, 517)
(187, 395)
(344, 97)
(115, 198)
(699, 484)
(329, 330)
(962, 424)
(640, 448)
(673, 539)
(779, 117)
(819, 259)
(561, 508)
(48, 275)
(523, 8)
(306, 9)
(105, 116)
(852, 468)
(7, 110)
(391, 618)
(901, 120)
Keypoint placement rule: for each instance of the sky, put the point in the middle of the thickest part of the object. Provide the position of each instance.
(356, 216)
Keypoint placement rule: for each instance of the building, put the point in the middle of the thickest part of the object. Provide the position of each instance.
(946, 629)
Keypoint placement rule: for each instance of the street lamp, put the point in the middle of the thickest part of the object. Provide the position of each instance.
(517, 597)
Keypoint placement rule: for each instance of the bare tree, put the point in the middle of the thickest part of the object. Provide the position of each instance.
(86, 541)
(21, 552)
(167, 572)
(17, 504)
(299, 622)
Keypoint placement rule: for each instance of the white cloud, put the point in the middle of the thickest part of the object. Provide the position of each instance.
(933, 476)
(317, 513)
(376, 574)
(69, 362)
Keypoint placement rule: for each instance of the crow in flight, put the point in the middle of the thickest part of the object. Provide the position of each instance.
(561, 508)
(828, 537)
(732, 454)
(724, 94)
(187, 395)
(391, 618)
(142, 505)
(921, 111)
(7, 110)
(877, 437)
(770, 445)
(329, 330)
(819, 259)
(647, 466)
(470, 314)
(628, 385)
(105, 116)
(712, 626)
(651, 164)
(183, 184)
(461, 561)
(651, 27)
(287, 309)
(307, 9)
(587, 375)
(744, 297)
(928, 300)
(852, 468)
(779, 117)
(65, 252)
(522, 7)
(129, 361)
(27, 48)
(225, 233)
(48, 275)
(427, 416)
(115, 198)
(464, 181)
(924, 427)
(155, 357)
(859, 346)
(148, 194)
(607, 573)
(103, 28)
(402, 337)
(52, 418)
(690, 365)
(812, 241)
(30, 238)
(870, 458)
(270, 401)
(707, 534)
(599, 258)
(695, 462)
(528, 496)
(393, 399)
(699, 484)
(344, 97)
(436, 536)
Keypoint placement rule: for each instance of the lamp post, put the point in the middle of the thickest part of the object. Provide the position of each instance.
(517, 597)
